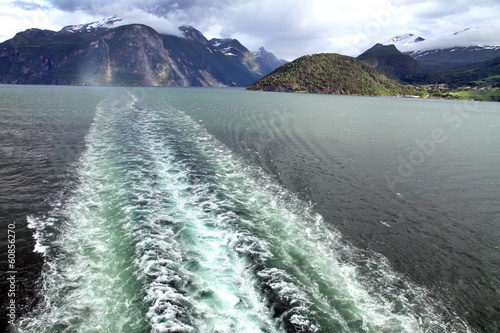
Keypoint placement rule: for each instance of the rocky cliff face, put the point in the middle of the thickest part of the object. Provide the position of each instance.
(133, 55)
(129, 55)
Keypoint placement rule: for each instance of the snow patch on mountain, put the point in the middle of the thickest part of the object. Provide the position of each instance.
(87, 27)
(444, 51)
(405, 39)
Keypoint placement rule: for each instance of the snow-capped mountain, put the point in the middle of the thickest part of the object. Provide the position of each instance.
(475, 48)
(456, 55)
(104, 23)
(405, 39)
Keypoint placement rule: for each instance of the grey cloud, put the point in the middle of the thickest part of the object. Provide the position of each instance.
(72, 5)
(157, 7)
(27, 5)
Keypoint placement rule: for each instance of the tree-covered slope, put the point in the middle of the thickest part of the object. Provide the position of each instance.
(483, 73)
(330, 73)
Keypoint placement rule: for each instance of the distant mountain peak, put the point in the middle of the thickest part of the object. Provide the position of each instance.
(268, 60)
(406, 39)
(261, 52)
(107, 23)
(192, 33)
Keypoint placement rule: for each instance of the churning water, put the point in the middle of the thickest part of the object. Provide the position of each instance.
(220, 210)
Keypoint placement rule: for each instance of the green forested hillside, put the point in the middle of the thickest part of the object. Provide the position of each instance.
(485, 73)
(330, 73)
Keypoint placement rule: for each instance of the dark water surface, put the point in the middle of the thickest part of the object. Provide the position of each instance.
(220, 210)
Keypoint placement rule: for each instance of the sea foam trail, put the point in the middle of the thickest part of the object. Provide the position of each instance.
(168, 231)
(138, 252)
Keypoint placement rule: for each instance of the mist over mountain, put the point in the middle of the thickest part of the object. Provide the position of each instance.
(477, 36)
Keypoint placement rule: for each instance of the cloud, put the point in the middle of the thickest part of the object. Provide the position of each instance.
(161, 8)
(439, 20)
(26, 5)
(16, 16)
(289, 28)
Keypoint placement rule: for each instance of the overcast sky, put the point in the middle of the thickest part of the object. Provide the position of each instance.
(288, 28)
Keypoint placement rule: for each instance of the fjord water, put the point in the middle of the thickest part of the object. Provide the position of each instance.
(221, 210)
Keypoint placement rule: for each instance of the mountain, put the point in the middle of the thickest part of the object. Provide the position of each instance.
(191, 33)
(135, 54)
(330, 73)
(233, 48)
(405, 39)
(461, 66)
(261, 62)
(389, 61)
(454, 56)
(268, 61)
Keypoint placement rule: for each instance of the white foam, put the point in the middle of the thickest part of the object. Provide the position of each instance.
(37, 225)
